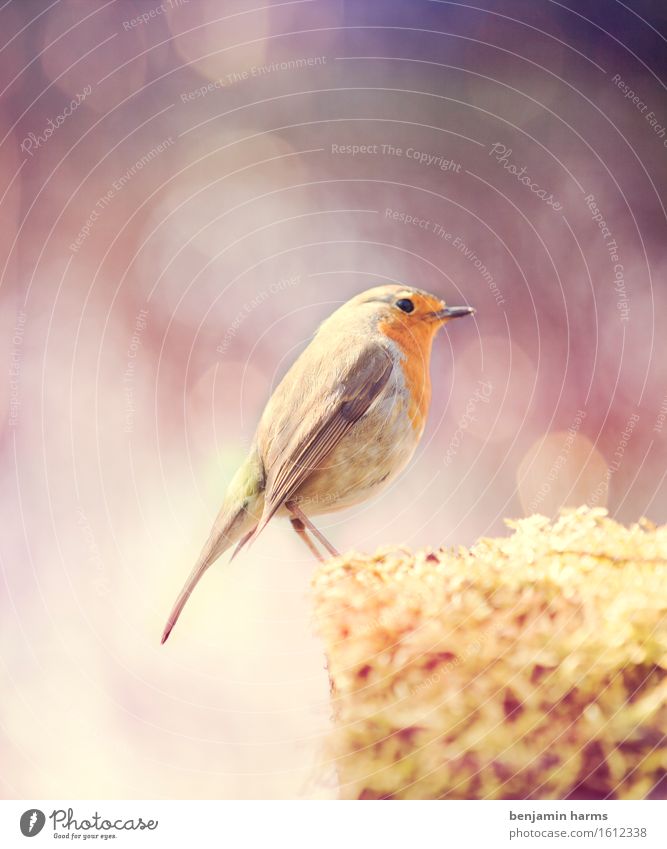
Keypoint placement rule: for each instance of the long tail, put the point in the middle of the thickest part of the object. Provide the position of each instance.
(234, 524)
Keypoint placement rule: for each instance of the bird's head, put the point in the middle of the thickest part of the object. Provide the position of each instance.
(403, 311)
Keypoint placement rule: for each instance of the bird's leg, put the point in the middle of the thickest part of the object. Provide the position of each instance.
(300, 528)
(296, 511)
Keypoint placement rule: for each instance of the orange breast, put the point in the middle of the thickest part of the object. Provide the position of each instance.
(415, 347)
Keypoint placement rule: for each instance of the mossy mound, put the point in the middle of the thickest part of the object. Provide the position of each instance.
(531, 667)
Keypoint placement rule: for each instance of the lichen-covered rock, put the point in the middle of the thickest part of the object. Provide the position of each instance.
(532, 666)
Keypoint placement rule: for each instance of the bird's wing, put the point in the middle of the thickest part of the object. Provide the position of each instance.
(298, 451)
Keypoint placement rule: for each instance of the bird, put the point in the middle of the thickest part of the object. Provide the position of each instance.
(342, 423)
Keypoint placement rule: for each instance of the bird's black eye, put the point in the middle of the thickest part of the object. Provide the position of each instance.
(405, 304)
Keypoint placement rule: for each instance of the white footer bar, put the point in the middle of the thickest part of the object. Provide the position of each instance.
(332, 825)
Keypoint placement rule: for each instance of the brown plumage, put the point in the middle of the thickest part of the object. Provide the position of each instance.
(345, 420)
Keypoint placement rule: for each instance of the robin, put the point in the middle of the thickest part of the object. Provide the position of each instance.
(343, 422)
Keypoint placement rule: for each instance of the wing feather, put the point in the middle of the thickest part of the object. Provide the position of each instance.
(302, 453)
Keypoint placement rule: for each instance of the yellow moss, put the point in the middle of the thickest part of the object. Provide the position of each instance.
(531, 666)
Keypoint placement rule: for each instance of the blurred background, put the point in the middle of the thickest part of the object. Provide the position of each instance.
(187, 190)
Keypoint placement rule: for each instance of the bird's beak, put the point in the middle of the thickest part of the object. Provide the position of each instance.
(448, 313)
